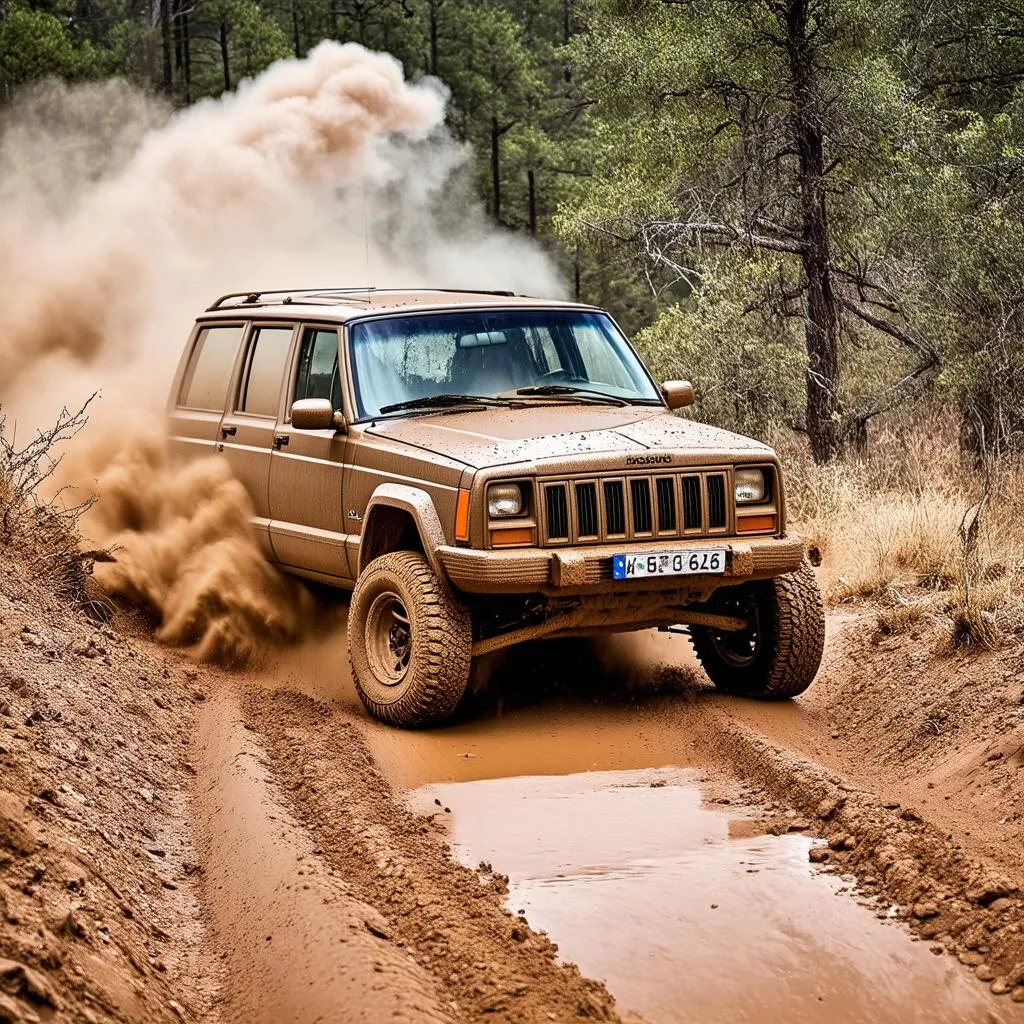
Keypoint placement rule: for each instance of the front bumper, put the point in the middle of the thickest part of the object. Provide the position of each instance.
(584, 570)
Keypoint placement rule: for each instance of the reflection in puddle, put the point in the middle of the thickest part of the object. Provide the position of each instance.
(642, 886)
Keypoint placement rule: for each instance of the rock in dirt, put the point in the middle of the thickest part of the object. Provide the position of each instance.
(1017, 995)
(988, 889)
(984, 973)
(16, 832)
(12, 1011)
(376, 923)
(817, 854)
(827, 807)
(19, 979)
(999, 987)
(925, 909)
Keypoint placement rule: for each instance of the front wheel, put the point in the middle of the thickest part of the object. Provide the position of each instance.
(409, 642)
(779, 653)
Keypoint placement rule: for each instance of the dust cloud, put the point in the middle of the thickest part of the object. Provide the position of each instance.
(122, 220)
(181, 544)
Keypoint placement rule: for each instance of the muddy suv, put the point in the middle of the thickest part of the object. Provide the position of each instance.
(482, 469)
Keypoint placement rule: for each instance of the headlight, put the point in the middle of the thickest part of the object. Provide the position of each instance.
(504, 500)
(750, 486)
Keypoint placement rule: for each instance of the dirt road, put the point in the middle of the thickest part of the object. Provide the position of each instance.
(181, 843)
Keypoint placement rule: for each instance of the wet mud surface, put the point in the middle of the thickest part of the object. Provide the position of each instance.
(689, 911)
(598, 836)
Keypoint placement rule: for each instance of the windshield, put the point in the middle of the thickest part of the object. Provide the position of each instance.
(493, 354)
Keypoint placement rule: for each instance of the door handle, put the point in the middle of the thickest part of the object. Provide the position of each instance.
(280, 440)
(228, 431)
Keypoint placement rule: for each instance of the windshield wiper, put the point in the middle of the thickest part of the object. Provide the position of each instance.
(443, 402)
(567, 390)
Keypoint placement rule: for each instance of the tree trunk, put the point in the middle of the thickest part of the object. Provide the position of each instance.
(576, 282)
(432, 7)
(187, 46)
(295, 29)
(224, 56)
(531, 180)
(179, 49)
(821, 310)
(167, 45)
(496, 169)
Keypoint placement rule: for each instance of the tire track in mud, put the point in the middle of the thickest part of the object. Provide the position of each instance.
(488, 963)
(295, 943)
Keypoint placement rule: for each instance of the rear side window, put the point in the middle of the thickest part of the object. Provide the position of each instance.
(264, 367)
(209, 369)
(318, 367)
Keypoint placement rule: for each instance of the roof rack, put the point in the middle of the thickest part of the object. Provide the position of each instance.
(253, 298)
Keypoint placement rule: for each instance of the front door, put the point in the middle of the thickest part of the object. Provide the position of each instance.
(248, 428)
(308, 524)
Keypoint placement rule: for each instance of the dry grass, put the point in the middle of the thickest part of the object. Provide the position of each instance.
(894, 526)
(42, 532)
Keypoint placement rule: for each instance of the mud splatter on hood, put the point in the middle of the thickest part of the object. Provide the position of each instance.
(495, 437)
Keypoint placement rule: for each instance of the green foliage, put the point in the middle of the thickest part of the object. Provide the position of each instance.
(38, 44)
(660, 152)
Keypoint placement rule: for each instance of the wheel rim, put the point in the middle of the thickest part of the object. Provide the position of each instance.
(389, 639)
(739, 648)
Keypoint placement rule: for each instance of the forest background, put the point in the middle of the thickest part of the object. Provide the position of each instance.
(812, 208)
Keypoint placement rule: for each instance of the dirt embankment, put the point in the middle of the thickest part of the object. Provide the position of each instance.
(99, 898)
(910, 763)
(177, 847)
(182, 844)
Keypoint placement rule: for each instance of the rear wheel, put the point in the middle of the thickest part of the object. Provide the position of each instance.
(778, 655)
(409, 642)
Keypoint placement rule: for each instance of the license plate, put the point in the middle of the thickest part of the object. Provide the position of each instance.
(669, 563)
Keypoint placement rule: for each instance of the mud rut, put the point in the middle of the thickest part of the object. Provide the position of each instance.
(328, 899)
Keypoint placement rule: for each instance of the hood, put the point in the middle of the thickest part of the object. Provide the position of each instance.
(498, 437)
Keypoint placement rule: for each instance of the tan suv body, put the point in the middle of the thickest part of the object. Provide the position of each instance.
(496, 500)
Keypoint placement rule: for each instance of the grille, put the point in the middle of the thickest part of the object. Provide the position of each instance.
(587, 522)
(691, 502)
(641, 494)
(666, 504)
(558, 513)
(716, 502)
(641, 506)
(614, 508)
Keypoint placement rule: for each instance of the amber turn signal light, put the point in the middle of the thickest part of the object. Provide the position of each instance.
(462, 516)
(755, 524)
(505, 538)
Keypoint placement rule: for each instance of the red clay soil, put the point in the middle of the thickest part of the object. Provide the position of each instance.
(181, 844)
(99, 896)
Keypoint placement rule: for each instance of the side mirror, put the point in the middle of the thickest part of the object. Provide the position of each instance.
(677, 393)
(316, 414)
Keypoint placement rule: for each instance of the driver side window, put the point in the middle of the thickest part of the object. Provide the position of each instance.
(318, 375)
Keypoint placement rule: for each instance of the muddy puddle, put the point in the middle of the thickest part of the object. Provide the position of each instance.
(687, 913)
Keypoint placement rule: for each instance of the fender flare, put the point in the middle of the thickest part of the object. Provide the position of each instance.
(420, 506)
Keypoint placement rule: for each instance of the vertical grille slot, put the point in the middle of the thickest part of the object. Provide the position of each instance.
(558, 512)
(666, 489)
(586, 510)
(640, 494)
(614, 507)
(716, 501)
(691, 503)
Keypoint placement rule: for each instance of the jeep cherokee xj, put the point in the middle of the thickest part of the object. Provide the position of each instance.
(483, 469)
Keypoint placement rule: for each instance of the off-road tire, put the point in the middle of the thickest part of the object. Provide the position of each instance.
(791, 638)
(439, 652)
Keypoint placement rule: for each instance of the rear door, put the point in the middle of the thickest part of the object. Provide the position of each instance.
(201, 388)
(308, 524)
(248, 429)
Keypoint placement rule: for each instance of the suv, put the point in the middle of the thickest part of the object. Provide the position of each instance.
(483, 469)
